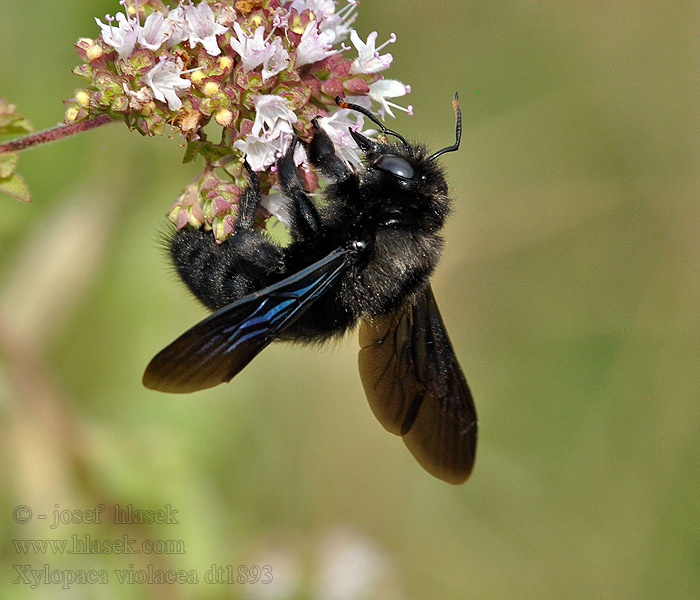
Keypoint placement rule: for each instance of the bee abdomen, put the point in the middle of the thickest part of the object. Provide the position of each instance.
(218, 274)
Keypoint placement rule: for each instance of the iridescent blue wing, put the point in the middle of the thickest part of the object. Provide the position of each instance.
(416, 387)
(217, 348)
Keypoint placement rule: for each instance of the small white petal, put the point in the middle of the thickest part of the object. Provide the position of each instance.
(179, 29)
(259, 151)
(380, 90)
(165, 81)
(329, 19)
(278, 61)
(122, 38)
(337, 128)
(252, 49)
(314, 45)
(339, 22)
(271, 134)
(203, 27)
(369, 59)
(272, 116)
(156, 29)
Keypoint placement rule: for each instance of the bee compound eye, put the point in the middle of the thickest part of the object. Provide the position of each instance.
(395, 165)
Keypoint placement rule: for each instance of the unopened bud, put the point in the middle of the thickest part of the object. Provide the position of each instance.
(197, 77)
(82, 97)
(93, 52)
(71, 114)
(225, 63)
(211, 88)
(223, 117)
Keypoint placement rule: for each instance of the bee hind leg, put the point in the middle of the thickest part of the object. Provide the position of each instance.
(220, 273)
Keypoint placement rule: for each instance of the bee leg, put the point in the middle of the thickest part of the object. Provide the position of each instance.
(221, 273)
(322, 155)
(306, 222)
(249, 200)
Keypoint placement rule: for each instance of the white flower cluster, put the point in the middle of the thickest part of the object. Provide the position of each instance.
(322, 37)
(195, 24)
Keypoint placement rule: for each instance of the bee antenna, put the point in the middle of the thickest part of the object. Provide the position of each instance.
(458, 130)
(356, 107)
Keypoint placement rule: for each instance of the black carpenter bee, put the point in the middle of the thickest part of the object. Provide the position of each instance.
(365, 255)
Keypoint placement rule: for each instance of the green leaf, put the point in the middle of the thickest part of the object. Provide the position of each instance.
(16, 187)
(10, 125)
(210, 152)
(11, 122)
(191, 151)
(8, 164)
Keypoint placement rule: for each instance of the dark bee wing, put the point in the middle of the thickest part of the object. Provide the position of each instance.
(416, 388)
(217, 348)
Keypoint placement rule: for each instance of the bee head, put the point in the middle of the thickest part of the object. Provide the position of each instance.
(405, 174)
(407, 164)
(406, 187)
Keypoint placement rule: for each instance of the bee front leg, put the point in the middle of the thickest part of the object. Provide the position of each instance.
(306, 222)
(249, 201)
(322, 155)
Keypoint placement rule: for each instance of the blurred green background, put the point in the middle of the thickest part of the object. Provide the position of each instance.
(570, 287)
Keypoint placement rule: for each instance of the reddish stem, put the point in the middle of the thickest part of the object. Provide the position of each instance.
(53, 134)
